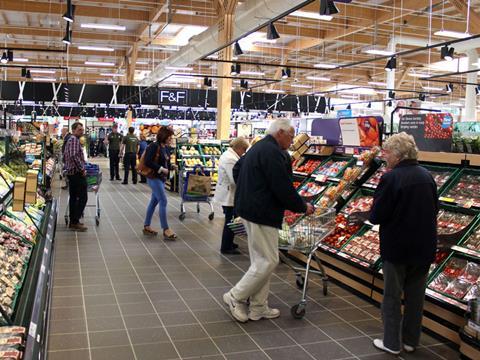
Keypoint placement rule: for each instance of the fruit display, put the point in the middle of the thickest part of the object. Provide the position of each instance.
(367, 156)
(473, 241)
(359, 204)
(191, 162)
(440, 177)
(449, 222)
(331, 194)
(12, 342)
(351, 173)
(459, 279)
(365, 247)
(440, 255)
(290, 217)
(438, 126)
(211, 150)
(376, 177)
(467, 189)
(29, 233)
(189, 151)
(296, 184)
(331, 168)
(214, 177)
(211, 164)
(308, 167)
(6, 173)
(342, 233)
(31, 149)
(311, 189)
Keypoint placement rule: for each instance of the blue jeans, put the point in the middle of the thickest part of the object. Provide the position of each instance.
(158, 197)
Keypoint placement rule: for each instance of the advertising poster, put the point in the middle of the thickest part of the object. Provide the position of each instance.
(432, 132)
(361, 131)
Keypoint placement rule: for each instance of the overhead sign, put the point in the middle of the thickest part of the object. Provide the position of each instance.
(432, 132)
(172, 97)
(361, 131)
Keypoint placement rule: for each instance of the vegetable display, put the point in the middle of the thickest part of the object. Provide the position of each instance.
(342, 233)
(449, 222)
(466, 189)
(308, 167)
(331, 168)
(365, 247)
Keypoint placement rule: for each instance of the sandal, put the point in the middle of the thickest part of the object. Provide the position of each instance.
(149, 231)
(171, 237)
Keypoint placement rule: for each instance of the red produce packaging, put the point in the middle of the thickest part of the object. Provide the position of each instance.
(458, 288)
(440, 283)
(471, 273)
(473, 293)
(454, 268)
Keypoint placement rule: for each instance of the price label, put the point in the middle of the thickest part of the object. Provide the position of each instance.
(360, 163)
(376, 228)
(341, 238)
(341, 226)
(349, 151)
(32, 330)
(321, 178)
(446, 199)
(468, 204)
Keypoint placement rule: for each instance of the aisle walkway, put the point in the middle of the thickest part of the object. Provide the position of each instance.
(119, 295)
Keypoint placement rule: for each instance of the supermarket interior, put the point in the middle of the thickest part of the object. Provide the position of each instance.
(159, 157)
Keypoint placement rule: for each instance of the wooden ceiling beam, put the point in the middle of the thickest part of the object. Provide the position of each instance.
(462, 7)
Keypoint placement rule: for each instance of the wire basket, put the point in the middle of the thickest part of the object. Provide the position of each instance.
(308, 232)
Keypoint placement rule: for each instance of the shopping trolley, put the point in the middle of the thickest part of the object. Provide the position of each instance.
(94, 179)
(304, 236)
(183, 178)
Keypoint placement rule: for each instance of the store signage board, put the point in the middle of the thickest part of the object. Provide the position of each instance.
(432, 132)
(344, 113)
(350, 133)
(173, 97)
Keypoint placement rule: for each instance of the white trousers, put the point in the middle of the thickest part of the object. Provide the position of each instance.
(263, 249)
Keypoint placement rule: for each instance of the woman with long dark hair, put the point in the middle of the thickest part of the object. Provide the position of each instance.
(157, 158)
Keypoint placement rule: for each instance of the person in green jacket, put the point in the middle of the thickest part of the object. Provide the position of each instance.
(130, 151)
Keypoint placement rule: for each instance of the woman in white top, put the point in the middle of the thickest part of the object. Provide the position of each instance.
(225, 190)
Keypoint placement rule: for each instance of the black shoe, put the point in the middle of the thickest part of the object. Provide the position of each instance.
(135, 183)
(124, 183)
(118, 178)
(111, 179)
(231, 252)
(142, 182)
(235, 246)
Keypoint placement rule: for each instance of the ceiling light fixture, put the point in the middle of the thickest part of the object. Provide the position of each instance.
(311, 15)
(45, 79)
(99, 63)
(42, 71)
(253, 73)
(108, 82)
(141, 63)
(374, 50)
(96, 48)
(446, 53)
(391, 94)
(272, 33)
(477, 90)
(112, 74)
(452, 34)
(327, 7)
(377, 83)
(286, 73)
(419, 75)
(318, 78)
(301, 86)
(349, 107)
(237, 50)
(9, 55)
(275, 91)
(325, 66)
(20, 60)
(390, 104)
(391, 64)
(103, 27)
(244, 84)
(67, 40)
(421, 97)
(235, 69)
(431, 88)
(4, 58)
(70, 13)
(207, 81)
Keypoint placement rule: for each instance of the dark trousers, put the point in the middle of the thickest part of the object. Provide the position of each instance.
(143, 179)
(130, 163)
(77, 187)
(411, 281)
(114, 164)
(228, 235)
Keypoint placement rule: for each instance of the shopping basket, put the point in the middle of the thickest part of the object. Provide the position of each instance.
(186, 193)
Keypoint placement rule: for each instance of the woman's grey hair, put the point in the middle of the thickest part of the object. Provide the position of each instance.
(279, 124)
(239, 143)
(402, 145)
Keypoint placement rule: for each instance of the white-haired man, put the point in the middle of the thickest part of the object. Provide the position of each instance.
(264, 191)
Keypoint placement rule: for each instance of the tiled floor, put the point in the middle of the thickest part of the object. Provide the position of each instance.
(119, 295)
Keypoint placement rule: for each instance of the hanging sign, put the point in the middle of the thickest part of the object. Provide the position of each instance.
(432, 132)
(172, 97)
(361, 131)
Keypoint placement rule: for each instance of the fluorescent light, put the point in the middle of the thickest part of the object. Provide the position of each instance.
(431, 88)
(179, 68)
(15, 59)
(187, 33)
(311, 15)
(103, 26)
(169, 84)
(254, 73)
(452, 34)
(274, 91)
(186, 12)
(377, 83)
(184, 79)
(351, 89)
(41, 71)
(142, 63)
(110, 82)
(45, 79)
(459, 64)
(420, 75)
(99, 63)
(325, 66)
(112, 74)
(377, 51)
(318, 78)
(301, 86)
(349, 96)
(96, 48)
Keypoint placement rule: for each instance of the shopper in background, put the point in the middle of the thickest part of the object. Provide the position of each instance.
(142, 145)
(157, 158)
(129, 150)
(225, 190)
(113, 140)
(75, 169)
(406, 206)
(264, 191)
(65, 136)
(238, 164)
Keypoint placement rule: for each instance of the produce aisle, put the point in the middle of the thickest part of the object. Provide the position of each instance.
(119, 295)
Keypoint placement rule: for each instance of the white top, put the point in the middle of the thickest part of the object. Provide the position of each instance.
(225, 189)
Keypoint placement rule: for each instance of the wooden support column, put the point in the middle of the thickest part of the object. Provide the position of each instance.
(224, 86)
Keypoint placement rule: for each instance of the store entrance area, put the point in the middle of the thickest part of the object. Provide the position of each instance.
(120, 295)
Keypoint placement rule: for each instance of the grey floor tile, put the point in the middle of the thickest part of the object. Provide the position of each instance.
(273, 339)
(235, 343)
(327, 351)
(67, 313)
(94, 300)
(105, 324)
(206, 316)
(137, 309)
(360, 346)
(341, 331)
(146, 336)
(67, 301)
(250, 355)
(178, 318)
(68, 326)
(158, 351)
(139, 297)
(67, 342)
(307, 335)
(369, 327)
(69, 354)
(99, 311)
(186, 332)
(113, 353)
(288, 353)
(142, 321)
(108, 338)
(353, 314)
(198, 348)
(104, 289)
(447, 352)
(224, 328)
(169, 306)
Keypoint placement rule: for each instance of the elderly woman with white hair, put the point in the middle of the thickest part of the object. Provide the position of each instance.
(264, 191)
(225, 190)
(405, 206)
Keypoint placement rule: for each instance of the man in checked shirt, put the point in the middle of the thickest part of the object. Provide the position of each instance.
(74, 162)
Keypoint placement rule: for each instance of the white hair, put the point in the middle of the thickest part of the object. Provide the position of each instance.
(279, 124)
(402, 145)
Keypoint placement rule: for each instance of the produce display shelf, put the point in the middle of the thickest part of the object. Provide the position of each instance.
(470, 341)
(447, 195)
(334, 158)
(361, 192)
(451, 173)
